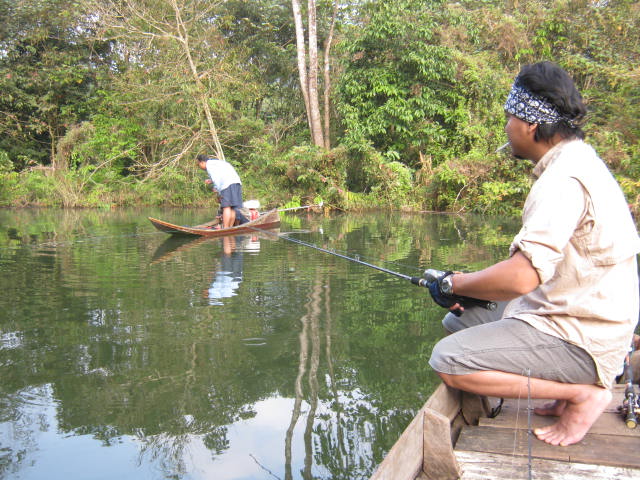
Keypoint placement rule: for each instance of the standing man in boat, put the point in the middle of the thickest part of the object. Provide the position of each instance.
(227, 184)
(571, 281)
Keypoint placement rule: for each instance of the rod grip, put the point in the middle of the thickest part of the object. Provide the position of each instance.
(464, 301)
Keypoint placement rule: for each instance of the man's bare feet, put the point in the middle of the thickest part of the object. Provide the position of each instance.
(554, 409)
(576, 417)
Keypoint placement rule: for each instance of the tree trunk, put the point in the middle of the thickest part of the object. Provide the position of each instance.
(308, 74)
(53, 154)
(314, 104)
(327, 79)
(302, 57)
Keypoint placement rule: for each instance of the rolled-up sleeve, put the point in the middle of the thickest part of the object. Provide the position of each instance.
(550, 217)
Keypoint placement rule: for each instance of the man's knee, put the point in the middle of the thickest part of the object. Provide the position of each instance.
(441, 355)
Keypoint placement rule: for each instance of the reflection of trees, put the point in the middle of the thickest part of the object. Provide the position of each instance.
(133, 349)
(333, 448)
(121, 361)
(341, 440)
(309, 334)
(17, 442)
(338, 448)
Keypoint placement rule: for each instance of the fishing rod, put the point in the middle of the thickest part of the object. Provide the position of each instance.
(303, 206)
(630, 407)
(427, 278)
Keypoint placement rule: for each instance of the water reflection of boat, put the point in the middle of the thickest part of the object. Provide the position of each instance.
(174, 244)
(265, 221)
(177, 243)
(453, 436)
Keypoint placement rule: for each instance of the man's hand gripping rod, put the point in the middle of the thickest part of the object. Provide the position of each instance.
(432, 280)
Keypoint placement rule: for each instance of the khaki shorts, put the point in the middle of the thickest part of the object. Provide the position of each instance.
(484, 342)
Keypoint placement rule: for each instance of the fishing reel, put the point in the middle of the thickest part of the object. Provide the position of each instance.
(432, 275)
(630, 408)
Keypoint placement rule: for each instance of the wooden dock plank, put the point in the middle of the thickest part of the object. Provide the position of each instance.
(490, 466)
(608, 450)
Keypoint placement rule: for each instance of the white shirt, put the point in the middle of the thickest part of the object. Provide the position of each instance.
(222, 174)
(580, 237)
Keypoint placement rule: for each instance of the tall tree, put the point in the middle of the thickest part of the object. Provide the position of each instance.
(327, 77)
(171, 39)
(47, 76)
(398, 90)
(308, 68)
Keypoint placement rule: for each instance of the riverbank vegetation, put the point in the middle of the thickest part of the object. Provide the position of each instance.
(361, 103)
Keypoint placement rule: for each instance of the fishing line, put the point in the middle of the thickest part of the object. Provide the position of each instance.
(425, 280)
(529, 432)
(515, 430)
(344, 253)
(356, 259)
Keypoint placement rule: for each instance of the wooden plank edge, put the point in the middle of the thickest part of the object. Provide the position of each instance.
(439, 459)
(608, 450)
(486, 466)
(405, 459)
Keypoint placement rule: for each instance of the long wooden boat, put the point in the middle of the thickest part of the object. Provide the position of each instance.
(453, 437)
(265, 221)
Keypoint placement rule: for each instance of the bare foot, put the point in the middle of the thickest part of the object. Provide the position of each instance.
(576, 418)
(554, 409)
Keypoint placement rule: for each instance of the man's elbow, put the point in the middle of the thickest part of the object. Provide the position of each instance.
(524, 278)
(525, 283)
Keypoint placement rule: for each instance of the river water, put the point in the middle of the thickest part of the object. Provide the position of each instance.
(128, 354)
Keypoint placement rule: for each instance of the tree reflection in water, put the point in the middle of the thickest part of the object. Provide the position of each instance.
(110, 346)
(308, 334)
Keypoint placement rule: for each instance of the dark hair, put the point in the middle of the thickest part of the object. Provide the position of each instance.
(551, 82)
(202, 158)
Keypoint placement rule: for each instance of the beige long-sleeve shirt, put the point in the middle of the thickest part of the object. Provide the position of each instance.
(580, 237)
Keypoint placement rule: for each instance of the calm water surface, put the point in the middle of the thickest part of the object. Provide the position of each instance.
(128, 354)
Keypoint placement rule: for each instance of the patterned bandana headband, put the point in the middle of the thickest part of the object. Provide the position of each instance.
(527, 106)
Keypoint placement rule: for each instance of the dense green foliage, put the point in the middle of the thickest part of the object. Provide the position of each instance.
(99, 113)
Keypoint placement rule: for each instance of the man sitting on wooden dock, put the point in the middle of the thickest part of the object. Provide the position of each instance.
(571, 280)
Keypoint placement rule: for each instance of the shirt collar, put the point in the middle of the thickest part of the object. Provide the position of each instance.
(548, 158)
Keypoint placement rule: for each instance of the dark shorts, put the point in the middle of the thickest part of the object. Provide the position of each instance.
(231, 196)
(509, 345)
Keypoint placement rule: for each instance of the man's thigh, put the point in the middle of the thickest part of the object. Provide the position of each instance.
(513, 346)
